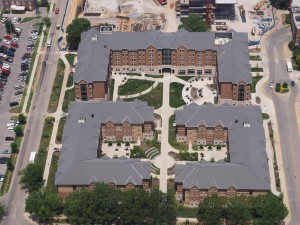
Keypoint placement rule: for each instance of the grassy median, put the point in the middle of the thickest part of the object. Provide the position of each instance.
(57, 85)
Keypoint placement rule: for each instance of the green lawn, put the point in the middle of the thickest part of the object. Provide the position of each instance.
(154, 76)
(154, 97)
(186, 78)
(69, 96)
(133, 74)
(70, 57)
(28, 19)
(70, 81)
(33, 58)
(45, 141)
(254, 82)
(255, 69)
(60, 130)
(51, 177)
(176, 99)
(172, 137)
(133, 86)
(111, 89)
(56, 88)
(255, 58)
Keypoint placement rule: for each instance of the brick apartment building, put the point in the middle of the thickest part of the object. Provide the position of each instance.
(87, 125)
(222, 57)
(241, 129)
(295, 21)
(20, 5)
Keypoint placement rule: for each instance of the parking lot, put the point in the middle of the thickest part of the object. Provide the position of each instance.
(10, 92)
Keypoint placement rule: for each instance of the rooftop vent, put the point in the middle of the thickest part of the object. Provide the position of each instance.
(95, 37)
(81, 120)
(246, 124)
(92, 115)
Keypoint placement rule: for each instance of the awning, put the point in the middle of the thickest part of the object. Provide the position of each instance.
(17, 8)
(226, 1)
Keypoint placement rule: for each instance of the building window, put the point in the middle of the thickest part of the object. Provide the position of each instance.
(191, 72)
(241, 92)
(199, 72)
(166, 57)
(208, 71)
(181, 72)
(83, 92)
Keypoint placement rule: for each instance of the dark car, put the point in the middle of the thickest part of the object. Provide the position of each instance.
(23, 74)
(9, 138)
(9, 59)
(27, 54)
(292, 83)
(3, 160)
(14, 103)
(18, 92)
(12, 49)
(10, 53)
(24, 64)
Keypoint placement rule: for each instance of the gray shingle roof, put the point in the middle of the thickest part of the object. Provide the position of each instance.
(93, 56)
(78, 161)
(248, 167)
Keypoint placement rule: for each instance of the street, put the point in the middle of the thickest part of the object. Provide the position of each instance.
(15, 198)
(286, 117)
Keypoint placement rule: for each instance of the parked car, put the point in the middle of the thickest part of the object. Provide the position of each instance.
(10, 53)
(17, 35)
(29, 48)
(27, 54)
(18, 92)
(14, 44)
(292, 83)
(15, 19)
(8, 37)
(23, 73)
(56, 10)
(17, 87)
(25, 67)
(3, 160)
(4, 19)
(15, 39)
(2, 177)
(5, 151)
(6, 42)
(9, 59)
(9, 138)
(34, 33)
(13, 103)
(4, 47)
(12, 49)
(18, 30)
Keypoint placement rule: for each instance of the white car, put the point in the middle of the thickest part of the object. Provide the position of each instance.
(34, 33)
(34, 37)
(16, 39)
(271, 84)
(6, 42)
(5, 66)
(11, 125)
(3, 55)
(15, 19)
(4, 19)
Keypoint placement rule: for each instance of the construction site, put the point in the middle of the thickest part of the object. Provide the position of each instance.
(131, 15)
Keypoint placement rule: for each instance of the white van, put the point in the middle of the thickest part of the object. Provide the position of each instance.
(18, 29)
(289, 66)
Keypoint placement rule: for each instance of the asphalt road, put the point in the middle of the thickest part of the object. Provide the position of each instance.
(286, 118)
(15, 198)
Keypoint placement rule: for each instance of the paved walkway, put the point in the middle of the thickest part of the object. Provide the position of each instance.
(57, 116)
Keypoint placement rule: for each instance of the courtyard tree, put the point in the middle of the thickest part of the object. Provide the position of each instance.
(3, 210)
(10, 165)
(43, 205)
(238, 210)
(19, 131)
(194, 23)
(74, 31)
(31, 177)
(47, 21)
(280, 4)
(14, 147)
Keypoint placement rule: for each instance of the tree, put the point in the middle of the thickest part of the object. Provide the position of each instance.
(43, 3)
(268, 209)
(79, 207)
(194, 23)
(280, 4)
(3, 210)
(238, 210)
(161, 208)
(47, 21)
(31, 177)
(211, 210)
(74, 31)
(43, 205)
(19, 131)
(22, 119)
(10, 27)
(14, 147)
(10, 165)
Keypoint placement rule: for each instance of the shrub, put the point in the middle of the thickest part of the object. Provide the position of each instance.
(10, 165)
(212, 159)
(209, 147)
(127, 144)
(118, 143)
(14, 147)
(285, 85)
(201, 147)
(19, 131)
(22, 119)
(109, 143)
(219, 147)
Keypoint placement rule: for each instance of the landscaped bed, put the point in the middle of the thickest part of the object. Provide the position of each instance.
(69, 96)
(172, 138)
(154, 97)
(70, 57)
(254, 82)
(60, 130)
(133, 86)
(176, 99)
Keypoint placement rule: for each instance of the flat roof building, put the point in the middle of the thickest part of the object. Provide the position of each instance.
(295, 21)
